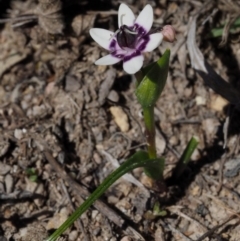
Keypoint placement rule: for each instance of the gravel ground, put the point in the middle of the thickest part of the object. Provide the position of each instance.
(66, 124)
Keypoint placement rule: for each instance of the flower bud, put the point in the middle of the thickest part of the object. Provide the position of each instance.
(169, 33)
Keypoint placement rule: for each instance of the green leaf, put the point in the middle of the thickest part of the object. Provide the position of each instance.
(30, 171)
(32, 174)
(151, 87)
(139, 159)
(218, 32)
(33, 178)
(155, 169)
(185, 158)
(157, 211)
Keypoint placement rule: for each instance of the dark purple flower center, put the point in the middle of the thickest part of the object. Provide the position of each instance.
(126, 37)
(135, 38)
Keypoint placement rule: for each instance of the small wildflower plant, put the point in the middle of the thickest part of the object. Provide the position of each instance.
(128, 44)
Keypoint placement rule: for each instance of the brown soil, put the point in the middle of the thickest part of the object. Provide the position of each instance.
(63, 131)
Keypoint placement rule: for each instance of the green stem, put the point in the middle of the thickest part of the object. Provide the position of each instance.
(148, 114)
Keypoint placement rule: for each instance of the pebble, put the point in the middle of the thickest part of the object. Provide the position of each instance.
(36, 188)
(200, 100)
(159, 234)
(4, 169)
(96, 231)
(113, 96)
(2, 190)
(112, 200)
(113, 239)
(125, 188)
(218, 103)
(34, 232)
(73, 235)
(126, 238)
(173, 140)
(72, 84)
(160, 144)
(120, 118)
(58, 219)
(94, 214)
(4, 149)
(18, 134)
(146, 181)
(124, 205)
(9, 183)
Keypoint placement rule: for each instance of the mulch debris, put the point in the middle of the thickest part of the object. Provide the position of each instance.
(66, 124)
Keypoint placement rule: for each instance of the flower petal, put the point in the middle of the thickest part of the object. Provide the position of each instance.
(154, 41)
(107, 60)
(133, 65)
(125, 16)
(102, 36)
(145, 18)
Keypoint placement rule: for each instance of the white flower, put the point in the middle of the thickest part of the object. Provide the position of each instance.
(130, 41)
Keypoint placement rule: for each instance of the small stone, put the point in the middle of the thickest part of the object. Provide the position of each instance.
(101, 68)
(126, 238)
(137, 218)
(210, 126)
(120, 118)
(36, 232)
(2, 189)
(159, 234)
(96, 231)
(125, 188)
(112, 200)
(173, 140)
(94, 214)
(4, 169)
(58, 219)
(196, 191)
(160, 144)
(72, 84)
(97, 158)
(188, 92)
(18, 134)
(73, 235)
(4, 147)
(196, 155)
(200, 100)
(38, 110)
(36, 188)
(146, 181)
(113, 96)
(9, 183)
(113, 239)
(218, 103)
(124, 205)
(50, 88)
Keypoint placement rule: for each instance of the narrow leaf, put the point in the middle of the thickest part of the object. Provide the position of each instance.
(139, 159)
(185, 158)
(151, 87)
